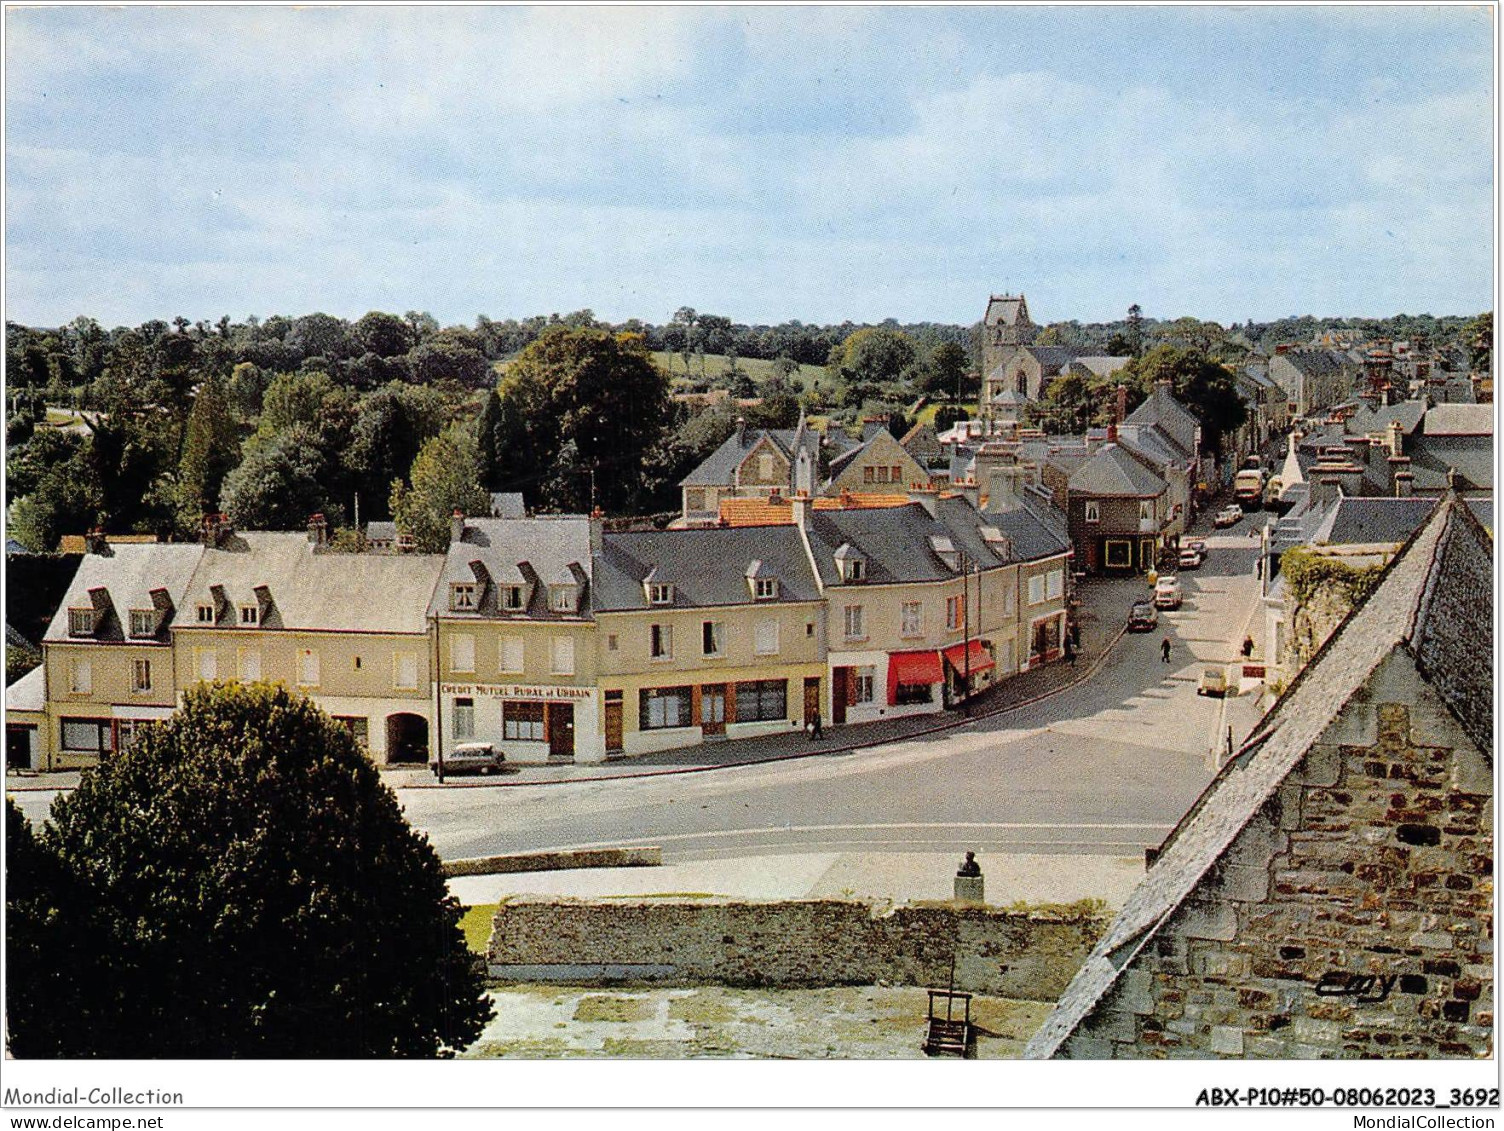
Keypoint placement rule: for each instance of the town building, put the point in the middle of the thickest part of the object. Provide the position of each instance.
(1330, 894)
(1016, 370)
(1313, 379)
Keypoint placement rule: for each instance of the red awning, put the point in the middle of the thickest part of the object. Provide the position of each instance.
(955, 655)
(912, 668)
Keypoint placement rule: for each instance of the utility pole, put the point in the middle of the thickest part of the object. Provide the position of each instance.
(438, 702)
(965, 636)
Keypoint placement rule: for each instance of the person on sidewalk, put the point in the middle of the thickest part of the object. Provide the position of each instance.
(1070, 651)
(815, 731)
(1164, 651)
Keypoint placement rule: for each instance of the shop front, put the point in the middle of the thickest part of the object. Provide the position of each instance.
(526, 722)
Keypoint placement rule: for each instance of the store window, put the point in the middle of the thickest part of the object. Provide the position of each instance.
(464, 720)
(763, 700)
(522, 722)
(662, 707)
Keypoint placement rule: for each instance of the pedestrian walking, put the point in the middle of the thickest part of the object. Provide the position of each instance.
(1164, 651)
(814, 725)
(1070, 652)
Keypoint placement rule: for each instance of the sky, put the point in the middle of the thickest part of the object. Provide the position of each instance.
(818, 163)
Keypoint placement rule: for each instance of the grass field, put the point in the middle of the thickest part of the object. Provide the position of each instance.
(927, 413)
(477, 926)
(714, 364)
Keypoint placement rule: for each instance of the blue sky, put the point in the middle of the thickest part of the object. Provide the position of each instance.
(764, 163)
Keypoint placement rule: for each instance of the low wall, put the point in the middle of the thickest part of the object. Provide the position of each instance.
(554, 861)
(1029, 955)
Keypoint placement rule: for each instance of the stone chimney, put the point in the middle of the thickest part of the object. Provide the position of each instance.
(215, 530)
(741, 431)
(457, 526)
(1004, 490)
(1396, 437)
(1121, 412)
(318, 530)
(799, 509)
(95, 542)
(1112, 433)
(1404, 483)
(597, 533)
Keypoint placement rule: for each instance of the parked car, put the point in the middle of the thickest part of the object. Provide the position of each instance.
(1197, 544)
(1167, 594)
(1213, 683)
(1228, 516)
(1190, 559)
(471, 758)
(1142, 617)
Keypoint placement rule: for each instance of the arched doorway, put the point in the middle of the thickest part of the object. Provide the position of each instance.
(406, 738)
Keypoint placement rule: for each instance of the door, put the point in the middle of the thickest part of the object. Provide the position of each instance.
(811, 698)
(560, 723)
(839, 679)
(713, 709)
(18, 747)
(1146, 554)
(613, 725)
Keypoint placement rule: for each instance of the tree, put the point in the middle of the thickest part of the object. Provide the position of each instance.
(390, 427)
(385, 335)
(211, 447)
(1135, 331)
(1204, 386)
(252, 890)
(451, 355)
(487, 439)
(279, 484)
(1478, 336)
(951, 366)
(445, 477)
(874, 356)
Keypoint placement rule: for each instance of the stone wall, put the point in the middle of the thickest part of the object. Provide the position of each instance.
(1030, 955)
(1353, 917)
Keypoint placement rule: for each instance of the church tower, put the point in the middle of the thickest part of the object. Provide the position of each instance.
(1006, 330)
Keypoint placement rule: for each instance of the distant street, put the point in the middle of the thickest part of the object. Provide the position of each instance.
(1104, 768)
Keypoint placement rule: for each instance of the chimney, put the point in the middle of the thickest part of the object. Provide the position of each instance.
(597, 533)
(1112, 433)
(1122, 404)
(1165, 386)
(741, 431)
(1004, 490)
(1396, 438)
(1324, 489)
(799, 509)
(95, 542)
(925, 497)
(457, 526)
(318, 530)
(1404, 484)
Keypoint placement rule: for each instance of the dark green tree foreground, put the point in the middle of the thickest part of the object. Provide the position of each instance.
(238, 883)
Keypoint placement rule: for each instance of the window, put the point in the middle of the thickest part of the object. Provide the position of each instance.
(896, 474)
(94, 736)
(766, 589)
(864, 683)
(855, 630)
(1054, 584)
(1118, 553)
(1146, 510)
(613, 643)
(462, 652)
(405, 671)
(464, 719)
(357, 663)
(869, 475)
(462, 595)
(206, 663)
(765, 637)
(765, 467)
(1036, 589)
(140, 675)
(712, 638)
(308, 668)
(661, 594)
(762, 700)
(512, 654)
(358, 726)
(511, 597)
(561, 599)
(143, 622)
(809, 628)
(912, 619)
(80, 676)
(955, 611)
(662, 707)
(561, 655)
(1093, 511)
(248, 664)
(662, 645)
(250, 615)
(907, 694)
(522, 722)
(80, 622)
(694, 498)
(206, 614)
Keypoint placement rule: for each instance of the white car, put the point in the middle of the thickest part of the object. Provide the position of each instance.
(1167, 593)
(471, 758)
(1228, 516)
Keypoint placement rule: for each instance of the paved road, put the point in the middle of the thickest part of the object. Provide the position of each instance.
(1106, 768)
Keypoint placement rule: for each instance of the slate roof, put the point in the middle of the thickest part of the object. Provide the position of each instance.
(1152, 443)
(1426, 602)
(1006, 310)
(1052, 358)
(507, 504)
(1471, 456)
(1037, 529)
(1370, 421)
(1113, 471)
(324, 591)
(536, 552)
(29, 693)
(125, 579)
(1459, 420)
(1102, 366)
(720, 466)
(707, 567)
(381, 531)
(1010, 396)
(1363, 522)
(1173, 418)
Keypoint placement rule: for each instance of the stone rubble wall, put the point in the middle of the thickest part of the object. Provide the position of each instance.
(817, 942)
(1369, 874)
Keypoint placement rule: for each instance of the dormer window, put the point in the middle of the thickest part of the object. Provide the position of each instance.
(1093, 511)
(143, 622)
(206, 614)
(462, 596)
(660, 594)
(945, 550)
(250, 615)
(850, 563)
(766, 589)
(511, 598)
(561, 599)
(80, 622)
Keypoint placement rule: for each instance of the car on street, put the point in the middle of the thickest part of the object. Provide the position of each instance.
(1142, 617)
(1213, 683)
(1197, 544)
(471, 758)
(1228, 516)
(1190, 559)
(1167, 594)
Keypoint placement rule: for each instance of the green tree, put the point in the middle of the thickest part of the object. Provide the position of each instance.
(1478, 337)
(251, 889)
(211, 448)
(874, 356)
(279, 484)
(445, 477)
(385, 335)
(487, 440)
(1204, 386)
(452, 355)
(951, 367)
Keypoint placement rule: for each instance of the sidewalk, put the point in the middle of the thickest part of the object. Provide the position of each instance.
(1103, 613)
